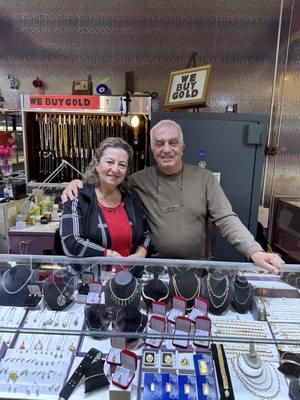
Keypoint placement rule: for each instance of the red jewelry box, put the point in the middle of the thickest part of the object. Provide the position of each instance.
(157, 324)
(159, 308)
(183, 326)
(125, 372)
(202, 328)
(178, 310)
(200, 309)
(117, 345)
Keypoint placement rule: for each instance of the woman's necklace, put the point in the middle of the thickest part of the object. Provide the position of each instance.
(178, 292)
(61, 299)
(242, 303)
(123, 301)
(162, 298)
(19, 289)
(211, 293)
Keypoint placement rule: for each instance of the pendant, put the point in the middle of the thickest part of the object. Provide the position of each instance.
(61, 300)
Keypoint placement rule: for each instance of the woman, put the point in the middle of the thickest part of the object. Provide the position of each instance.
(106, 219)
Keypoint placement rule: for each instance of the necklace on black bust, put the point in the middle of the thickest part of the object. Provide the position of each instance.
(150, 285)
(186, 284)
(217, 299)
(244, 289)
(123, 301)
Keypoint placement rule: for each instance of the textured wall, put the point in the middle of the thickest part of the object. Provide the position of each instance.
(60, 41)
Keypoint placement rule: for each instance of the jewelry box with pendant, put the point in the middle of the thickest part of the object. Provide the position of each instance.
(183, 327)
(202, 328)
(125, 372)
(117, 345)
(200, 309)
(94, 293)
(159, 308)
(178, 309)
(157, 325)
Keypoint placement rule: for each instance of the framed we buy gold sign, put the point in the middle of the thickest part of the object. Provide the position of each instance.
(187, 87)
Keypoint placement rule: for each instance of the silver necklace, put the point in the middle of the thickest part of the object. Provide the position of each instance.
(123, 301)
(18, 290)
(61, 299)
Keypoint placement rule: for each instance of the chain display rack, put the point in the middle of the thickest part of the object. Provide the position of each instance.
(70, 127)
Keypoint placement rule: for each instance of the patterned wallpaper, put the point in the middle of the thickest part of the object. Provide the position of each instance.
(60, 41)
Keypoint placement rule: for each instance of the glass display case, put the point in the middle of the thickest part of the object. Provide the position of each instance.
(146, 329)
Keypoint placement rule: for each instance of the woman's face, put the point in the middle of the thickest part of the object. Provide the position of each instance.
(112, 167)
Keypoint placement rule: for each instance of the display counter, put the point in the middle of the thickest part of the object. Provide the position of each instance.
(145, 329)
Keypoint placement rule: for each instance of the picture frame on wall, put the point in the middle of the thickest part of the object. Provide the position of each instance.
(82, 87)
(187, 87)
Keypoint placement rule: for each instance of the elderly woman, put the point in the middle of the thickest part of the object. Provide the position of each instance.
(106, 219)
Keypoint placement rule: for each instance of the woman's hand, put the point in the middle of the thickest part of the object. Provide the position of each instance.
(140, 253)
(112, 253)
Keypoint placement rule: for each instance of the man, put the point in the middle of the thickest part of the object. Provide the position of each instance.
(179, 199)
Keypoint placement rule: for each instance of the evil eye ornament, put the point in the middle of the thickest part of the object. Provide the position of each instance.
(103, 89)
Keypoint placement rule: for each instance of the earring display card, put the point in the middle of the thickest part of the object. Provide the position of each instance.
(11, 317)
(33, 375)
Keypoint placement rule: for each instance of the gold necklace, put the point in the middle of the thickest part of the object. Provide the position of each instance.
(211, 293)
(123, 301)
(242, 303)
(178, 292)
(162, 298)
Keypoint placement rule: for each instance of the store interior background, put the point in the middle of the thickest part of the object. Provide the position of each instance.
(62, 41)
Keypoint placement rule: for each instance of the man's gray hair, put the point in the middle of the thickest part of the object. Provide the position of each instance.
(163, 125)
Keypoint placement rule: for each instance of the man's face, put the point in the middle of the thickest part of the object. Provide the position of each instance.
(167, 149)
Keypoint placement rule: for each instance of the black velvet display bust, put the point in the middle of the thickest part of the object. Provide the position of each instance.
(14, 287)
(122, 290)
(185, 284)
(59, 288)
(243, 295)
(155, 290)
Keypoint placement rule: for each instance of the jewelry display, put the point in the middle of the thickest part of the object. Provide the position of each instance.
(267, 388)
(290, 364)
(243, 294)
(58, 289)
(186, 285)
(287, 332)
(282, 310)
(122, 290)
(155, 290)
(218, 290)
(130, 319)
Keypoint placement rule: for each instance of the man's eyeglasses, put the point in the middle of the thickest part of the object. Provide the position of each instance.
(172, 143)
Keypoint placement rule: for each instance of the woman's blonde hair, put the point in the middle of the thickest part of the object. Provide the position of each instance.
(91, 175)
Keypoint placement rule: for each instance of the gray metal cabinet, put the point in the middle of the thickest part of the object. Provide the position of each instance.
(233, 146)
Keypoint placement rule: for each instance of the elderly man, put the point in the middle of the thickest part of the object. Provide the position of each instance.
(179, 198)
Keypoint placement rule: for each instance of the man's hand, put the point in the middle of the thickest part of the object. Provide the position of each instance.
(71, 190)
(269, 261)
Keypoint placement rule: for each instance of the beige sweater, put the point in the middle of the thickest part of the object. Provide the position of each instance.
(178, 219)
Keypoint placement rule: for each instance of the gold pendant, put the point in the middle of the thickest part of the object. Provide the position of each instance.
(203, 367)
(205, 389)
